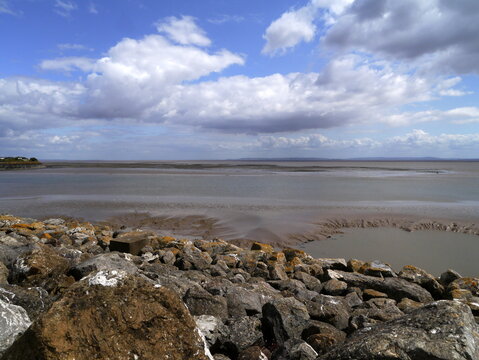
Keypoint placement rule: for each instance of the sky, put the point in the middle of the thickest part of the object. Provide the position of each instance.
(226, 79)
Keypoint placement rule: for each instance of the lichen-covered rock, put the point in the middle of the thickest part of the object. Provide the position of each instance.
(427, 281)
(284, 319)
(377, 268)
(334, 287)
(443, 330)
(449, 276)
(42, 267)
(113, 316)
(13, 322)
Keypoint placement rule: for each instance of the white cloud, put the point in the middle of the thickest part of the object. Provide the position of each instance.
(461, 115)
(221, 19)
(68, 64)
(297, 25)
(289, 30)
(183, 31)
(65, 7)
(436, 35)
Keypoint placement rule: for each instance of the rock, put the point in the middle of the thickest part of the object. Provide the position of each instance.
(3, 274)
(422, 278)
(330, 309)
(407, 305)
(443, 330)
(107, 261)
(199, 260)
(211, 327)
(377, 268)
(311, 282)
(448, 277)
(333, 264)
(34, 300)
(370, 294)
(293, 287)
(201, 302)
(277, 272)
(262, 247)
(378, 309)
(42, 267)
(130, 242)
(14, 321)
(253, 353)
(334, 287)
(284, 319)
(242, 333)
(243, 301)
(113, 315)
(300, 350)
(322, 336)
(354, 265)
(291, 253)
(395, 288)
(469, 284)
(352, 299)
(222, 357)
(55, 222)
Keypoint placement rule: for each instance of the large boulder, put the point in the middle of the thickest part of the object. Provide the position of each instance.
(34, 300)
(442, 330)
(113, 315)
(13, 322)
(201, 302)
(330, 309)
(422, 278)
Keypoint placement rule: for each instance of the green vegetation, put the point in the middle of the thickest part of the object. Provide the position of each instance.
(19, 160)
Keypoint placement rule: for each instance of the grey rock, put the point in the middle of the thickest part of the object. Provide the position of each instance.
(294, 287)
(108, 261)
(378, 309)
(442, 330)
(276, 272)
(55, 222)
(201, 302)
(352, 299)
(395, 288)
(14, 321)
(284, 319)
(300, 350)
(211, 327)
(243, 301)
(34, 300)
(449, 276)
(330, 309)
(311, 282)
(333, 264)
(242, 333)
(3, 274)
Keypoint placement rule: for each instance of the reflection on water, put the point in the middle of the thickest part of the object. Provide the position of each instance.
(434, 251)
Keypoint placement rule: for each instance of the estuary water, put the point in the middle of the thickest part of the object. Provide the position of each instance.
(255, 200)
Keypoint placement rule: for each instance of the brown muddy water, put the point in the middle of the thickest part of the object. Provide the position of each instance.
(433, 251)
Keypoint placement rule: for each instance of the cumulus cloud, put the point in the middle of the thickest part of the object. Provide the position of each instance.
(183, 31)
(345, 92)
(438, 35)
(289, 30)
(68, 64)
(297, 25)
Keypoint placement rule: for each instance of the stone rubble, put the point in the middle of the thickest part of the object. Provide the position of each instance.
(64, 294)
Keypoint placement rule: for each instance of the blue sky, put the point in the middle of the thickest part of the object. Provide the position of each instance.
(121, 79)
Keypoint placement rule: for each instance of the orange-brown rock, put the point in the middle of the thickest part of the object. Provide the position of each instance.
(291, 253)
(42, 267)
(108, 316)
(262, 247)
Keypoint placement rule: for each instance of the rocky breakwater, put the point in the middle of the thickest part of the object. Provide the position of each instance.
(73, 290)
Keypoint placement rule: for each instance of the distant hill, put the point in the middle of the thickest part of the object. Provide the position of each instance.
(427, 158)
